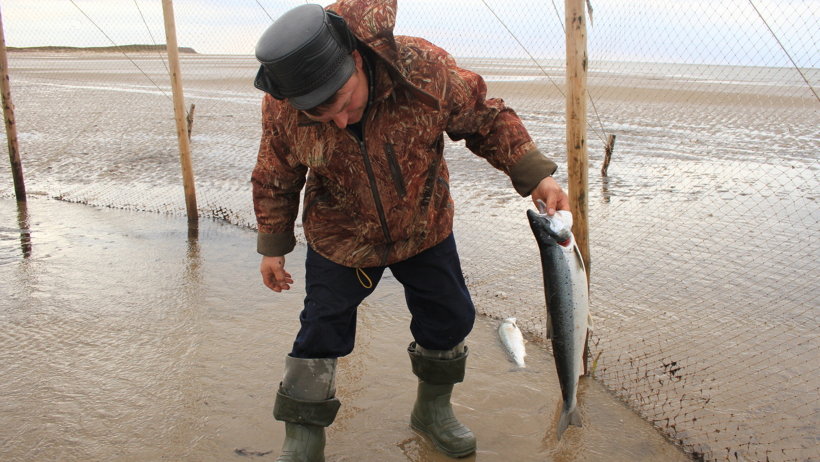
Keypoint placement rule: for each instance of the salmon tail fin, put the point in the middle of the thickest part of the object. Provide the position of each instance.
(575, 417)
(572, 417)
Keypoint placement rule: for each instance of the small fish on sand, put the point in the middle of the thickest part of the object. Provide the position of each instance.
(513, 341)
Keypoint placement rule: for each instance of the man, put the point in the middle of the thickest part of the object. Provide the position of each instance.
(357, 117)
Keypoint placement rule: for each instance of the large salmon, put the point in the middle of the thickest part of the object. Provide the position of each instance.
(567, 297)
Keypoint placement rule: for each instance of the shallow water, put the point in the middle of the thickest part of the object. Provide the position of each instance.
(122, 338)
(705, 261)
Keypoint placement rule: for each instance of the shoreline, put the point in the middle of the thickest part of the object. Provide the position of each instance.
(118, 48)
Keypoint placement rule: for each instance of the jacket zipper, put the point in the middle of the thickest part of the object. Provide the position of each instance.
(374, 190)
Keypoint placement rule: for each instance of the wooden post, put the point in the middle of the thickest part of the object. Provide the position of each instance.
(179, 111)
(577, 159)
(8, 116)
(189, 119)
(610, 145)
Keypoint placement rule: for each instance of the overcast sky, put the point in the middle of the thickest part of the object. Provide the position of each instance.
(689, 31)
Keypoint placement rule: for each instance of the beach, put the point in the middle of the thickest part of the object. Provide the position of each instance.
(124, 338)
(704, 275)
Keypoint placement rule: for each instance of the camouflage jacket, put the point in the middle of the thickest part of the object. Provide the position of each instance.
(383, 200)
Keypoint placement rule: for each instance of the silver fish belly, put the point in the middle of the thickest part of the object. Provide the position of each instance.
(567, 298)
(513, 341)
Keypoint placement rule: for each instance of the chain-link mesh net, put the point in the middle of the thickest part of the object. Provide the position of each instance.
(705, 277)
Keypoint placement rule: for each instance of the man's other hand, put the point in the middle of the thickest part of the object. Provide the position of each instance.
(274, 275)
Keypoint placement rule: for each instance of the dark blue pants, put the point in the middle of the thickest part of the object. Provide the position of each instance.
(440, 305)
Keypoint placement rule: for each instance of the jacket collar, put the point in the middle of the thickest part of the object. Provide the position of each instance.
(372, 22)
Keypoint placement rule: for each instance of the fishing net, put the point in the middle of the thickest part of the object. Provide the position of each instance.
(705, 281)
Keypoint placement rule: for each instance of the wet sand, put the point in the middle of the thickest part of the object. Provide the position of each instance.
(121, 338)
(705, 259)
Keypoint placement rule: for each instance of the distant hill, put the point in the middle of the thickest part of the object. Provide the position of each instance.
(117, 49)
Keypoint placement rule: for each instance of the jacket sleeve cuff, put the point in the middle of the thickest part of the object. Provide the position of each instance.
(275, 244)
(530, 170)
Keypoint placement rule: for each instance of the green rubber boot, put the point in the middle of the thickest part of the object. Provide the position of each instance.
(306, 403)
(303, 443)
(438, 371)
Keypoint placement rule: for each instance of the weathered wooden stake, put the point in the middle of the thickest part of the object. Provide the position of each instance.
(8, 116)
(179, 112)
(190, 120)
(610, 145)
(577, 159)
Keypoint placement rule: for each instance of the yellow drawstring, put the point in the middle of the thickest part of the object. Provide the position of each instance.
(359, 273)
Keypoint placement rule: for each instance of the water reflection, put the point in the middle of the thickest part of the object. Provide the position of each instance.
(193, 272)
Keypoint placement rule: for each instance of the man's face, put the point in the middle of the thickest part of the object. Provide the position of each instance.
(351, 101)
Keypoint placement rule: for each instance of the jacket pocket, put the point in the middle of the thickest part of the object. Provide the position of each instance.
(395, 170)
(442, 193)
(432, 173)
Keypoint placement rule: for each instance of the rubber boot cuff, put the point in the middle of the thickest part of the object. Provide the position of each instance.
(429, 367)
(452, 353)
(293, 410)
